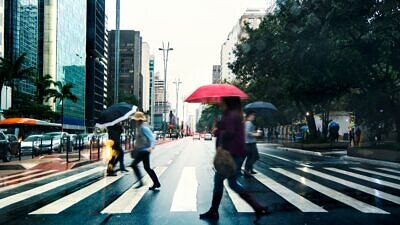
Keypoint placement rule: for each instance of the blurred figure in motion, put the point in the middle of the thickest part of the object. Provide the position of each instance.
(144, 144)
(230, 137)
(114, 133)
(251, 143)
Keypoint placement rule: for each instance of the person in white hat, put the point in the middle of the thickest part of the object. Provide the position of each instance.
(144, 144)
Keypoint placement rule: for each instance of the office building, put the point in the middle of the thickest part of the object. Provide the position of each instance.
(1, 28)
(64, 53)
(96, 61)
(253, 18)
(130, 78)
(216, 74)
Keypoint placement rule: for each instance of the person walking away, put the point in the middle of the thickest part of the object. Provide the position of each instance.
(357, 136)
(230, 137)
(351, 137)
(251, 144)
(144, 144)
(114, 133)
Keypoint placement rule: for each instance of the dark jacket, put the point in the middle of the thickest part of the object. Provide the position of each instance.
(230, 133)
(114, 133)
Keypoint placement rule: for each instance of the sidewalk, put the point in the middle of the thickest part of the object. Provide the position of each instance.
(342, 155)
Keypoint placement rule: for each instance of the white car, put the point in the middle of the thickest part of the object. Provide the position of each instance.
(208, 136)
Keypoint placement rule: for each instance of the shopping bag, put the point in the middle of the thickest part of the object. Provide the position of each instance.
(224, 163)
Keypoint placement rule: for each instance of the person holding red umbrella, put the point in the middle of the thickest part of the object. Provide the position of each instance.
(230, 137)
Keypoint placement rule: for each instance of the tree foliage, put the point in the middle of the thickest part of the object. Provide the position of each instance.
(208, 118)
(309, 54)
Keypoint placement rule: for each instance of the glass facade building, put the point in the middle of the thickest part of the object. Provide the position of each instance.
(22, 24)
(71, 57)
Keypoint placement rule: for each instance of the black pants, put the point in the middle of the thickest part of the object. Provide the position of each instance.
(119, 158)
(145, 157)
(252, 155)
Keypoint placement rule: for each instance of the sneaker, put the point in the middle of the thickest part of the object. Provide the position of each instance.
(209, 215)
(253, 172)
(140, 184)
(124, 170)
(155, 186)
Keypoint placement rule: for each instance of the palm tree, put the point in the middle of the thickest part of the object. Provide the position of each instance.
(43, 87)
(10, 70)
(61, 93)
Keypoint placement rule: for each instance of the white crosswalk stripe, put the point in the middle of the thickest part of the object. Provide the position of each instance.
(128, 201)
(362, 177)
(240, 205)
(376, 173)
(295, 199)
(368, 190)
(29, 177)
(361, 206)
(73, 198)
(185, 197)
(44, 188)
(390, 170)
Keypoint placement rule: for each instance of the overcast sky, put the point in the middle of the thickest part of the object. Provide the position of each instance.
(196, 29)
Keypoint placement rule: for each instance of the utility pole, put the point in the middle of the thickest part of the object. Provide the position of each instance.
(177, 83)
(165, 51)
(117, 40)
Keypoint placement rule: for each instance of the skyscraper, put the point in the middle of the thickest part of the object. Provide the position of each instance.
(64, 53)
(130, 80)
(1, 28)
(96, 61)
(146, 75)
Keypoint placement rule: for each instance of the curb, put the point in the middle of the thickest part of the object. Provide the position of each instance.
(301, 151)
(372, 161)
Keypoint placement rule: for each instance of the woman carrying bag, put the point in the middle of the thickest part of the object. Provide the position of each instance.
(229, 158)
(144, 144)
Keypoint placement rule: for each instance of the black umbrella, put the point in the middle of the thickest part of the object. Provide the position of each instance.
(115, 114)
(260, 107)
(267, 111)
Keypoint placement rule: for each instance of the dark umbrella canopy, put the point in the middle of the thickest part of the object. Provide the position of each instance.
(260, 106)
(115, 114)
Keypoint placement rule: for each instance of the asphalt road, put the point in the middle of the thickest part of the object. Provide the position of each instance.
(298, 188)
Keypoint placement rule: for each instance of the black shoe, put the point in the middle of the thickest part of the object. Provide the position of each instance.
(261, 213)
(253, 172)
(209, 215)
(124, 170)
(155, 186)
(247, 174)
(111, 174)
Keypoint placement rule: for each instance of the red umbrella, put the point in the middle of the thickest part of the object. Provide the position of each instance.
(212, 93)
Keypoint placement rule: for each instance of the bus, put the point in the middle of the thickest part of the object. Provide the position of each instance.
(23, 127)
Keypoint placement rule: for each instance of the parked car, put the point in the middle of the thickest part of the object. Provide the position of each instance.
(87, 138)
(8, 146)
(196, 136)
(208, 136)
(27, 145)
(58, 139)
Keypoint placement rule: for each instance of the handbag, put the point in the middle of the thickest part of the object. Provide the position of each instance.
(224, 163)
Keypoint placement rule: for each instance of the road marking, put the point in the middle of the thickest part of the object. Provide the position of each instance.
(368, 190)
(46, 187)
(128, 201)
(390, 170)
(238, 202)
(18, 175)
(73, 198)
(376, 173)
(25, 178)
(185, 197)
(284, 159)
(362, 177)
(295, 199)
(361, 206)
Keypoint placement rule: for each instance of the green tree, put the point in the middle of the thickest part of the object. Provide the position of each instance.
(10, 70)
(43, 87)
(208, 118)
(61, 93)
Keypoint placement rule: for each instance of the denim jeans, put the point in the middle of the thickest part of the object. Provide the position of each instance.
(252, 155)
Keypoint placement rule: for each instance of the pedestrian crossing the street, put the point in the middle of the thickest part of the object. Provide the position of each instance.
(375, 183)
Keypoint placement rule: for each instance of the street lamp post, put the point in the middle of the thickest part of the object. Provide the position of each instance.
(165, 51)
(177, 83)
